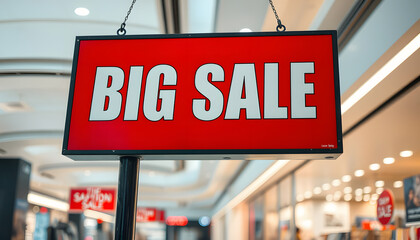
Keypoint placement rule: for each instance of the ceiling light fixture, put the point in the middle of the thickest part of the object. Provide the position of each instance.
(307, 194)
(336, 182)
(346, 178)
(367, 189)
(299, 198)
(358, 192)
(379, 190)
(245, 30)
(379, 184)
(99, 215)
(48, 202)
(358, 198)
(389, 160)
(366, 198)
(382, 73)
(374, 166)
(347, 197)
(359, 173)
(326, 186)
(398, 184)
(347, 190)
(329, 197)
(317, 190)
(81, 11)
(406, 153)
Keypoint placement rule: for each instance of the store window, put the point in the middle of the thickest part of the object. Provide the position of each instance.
(285, 208)
(271, 215)
(256, 219)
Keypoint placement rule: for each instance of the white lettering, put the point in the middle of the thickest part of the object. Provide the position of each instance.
(299, 89)
(133, 93)
(271, 93)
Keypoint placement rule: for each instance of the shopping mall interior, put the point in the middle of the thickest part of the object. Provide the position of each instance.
(219, 199)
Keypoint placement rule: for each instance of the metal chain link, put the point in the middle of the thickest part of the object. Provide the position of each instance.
(121, 30)
(280, 26)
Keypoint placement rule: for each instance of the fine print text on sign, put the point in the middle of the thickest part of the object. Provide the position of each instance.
(248, 96)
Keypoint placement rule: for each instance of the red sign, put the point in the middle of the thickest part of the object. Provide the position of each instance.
(150, 215)
(93, 198)
(226, 94)
(177, 221)
(385, 207)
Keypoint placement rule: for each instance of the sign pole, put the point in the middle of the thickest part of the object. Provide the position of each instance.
(125, 221)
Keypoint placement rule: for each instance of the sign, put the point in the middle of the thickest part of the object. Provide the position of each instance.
(205, 96)
(385, 207)
(412, 200)
(177, 221)
(92, 198)
(150, 215)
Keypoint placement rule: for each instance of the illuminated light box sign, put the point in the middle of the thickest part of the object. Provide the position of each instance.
(92, 198)
(205, 96)
(150, 215)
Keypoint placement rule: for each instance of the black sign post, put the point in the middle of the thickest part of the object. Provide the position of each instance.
(125, 221)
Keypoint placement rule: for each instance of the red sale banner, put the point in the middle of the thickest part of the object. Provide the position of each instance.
(92, 198)
(244, 95)
(385, 207)
(150, 215)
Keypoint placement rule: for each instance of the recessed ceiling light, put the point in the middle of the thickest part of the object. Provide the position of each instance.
(358, 198)
(379, 184)
(317, 190)
(347, 190)
(374, 166)
(347, 197)
(358, 192)
(336, 182)
(299, 198)
(406, 153)
(326, 186)
(307, 194)
(245, 30)
(389, 160)
(379, 190)
(366, 197)
(329, 197)
(398, 184)
(337, 196)
(359, 173)
(374, 197)
(81, 11)
(367, 189)
(346, 178)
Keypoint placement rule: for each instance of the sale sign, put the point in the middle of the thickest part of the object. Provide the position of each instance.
(385, 207)
(244, 95)
(92, 198)
(150, 215)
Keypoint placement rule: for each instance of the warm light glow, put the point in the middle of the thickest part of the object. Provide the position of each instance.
(374, 167)
(398, 184)
(379, 184)
(347, 190)
(337, 196)
(326, 187)
(374, 197)
(358, 198)
(367, 189)
(317, 190)
(300, 198)
(81, 11)
(346, 178)
(366, 197)
(99, 215)
(359, 173)
(406, 153)
(347, 197)
(307, 194)
(336, 182)
(379, 190)
(389, 160)
(329, 197)
(382, 73)
(358, 192)
(45, 201)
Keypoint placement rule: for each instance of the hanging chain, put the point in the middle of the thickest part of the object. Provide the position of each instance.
(280, 26)
(121, 30)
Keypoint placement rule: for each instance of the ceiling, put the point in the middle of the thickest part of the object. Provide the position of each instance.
(35, 66)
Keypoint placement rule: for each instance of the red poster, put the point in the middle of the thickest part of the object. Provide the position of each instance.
(150, 215)
(245, 95)
(92, 198)
(385, 207)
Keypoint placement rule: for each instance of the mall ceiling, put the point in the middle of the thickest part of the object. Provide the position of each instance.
(36, 50)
